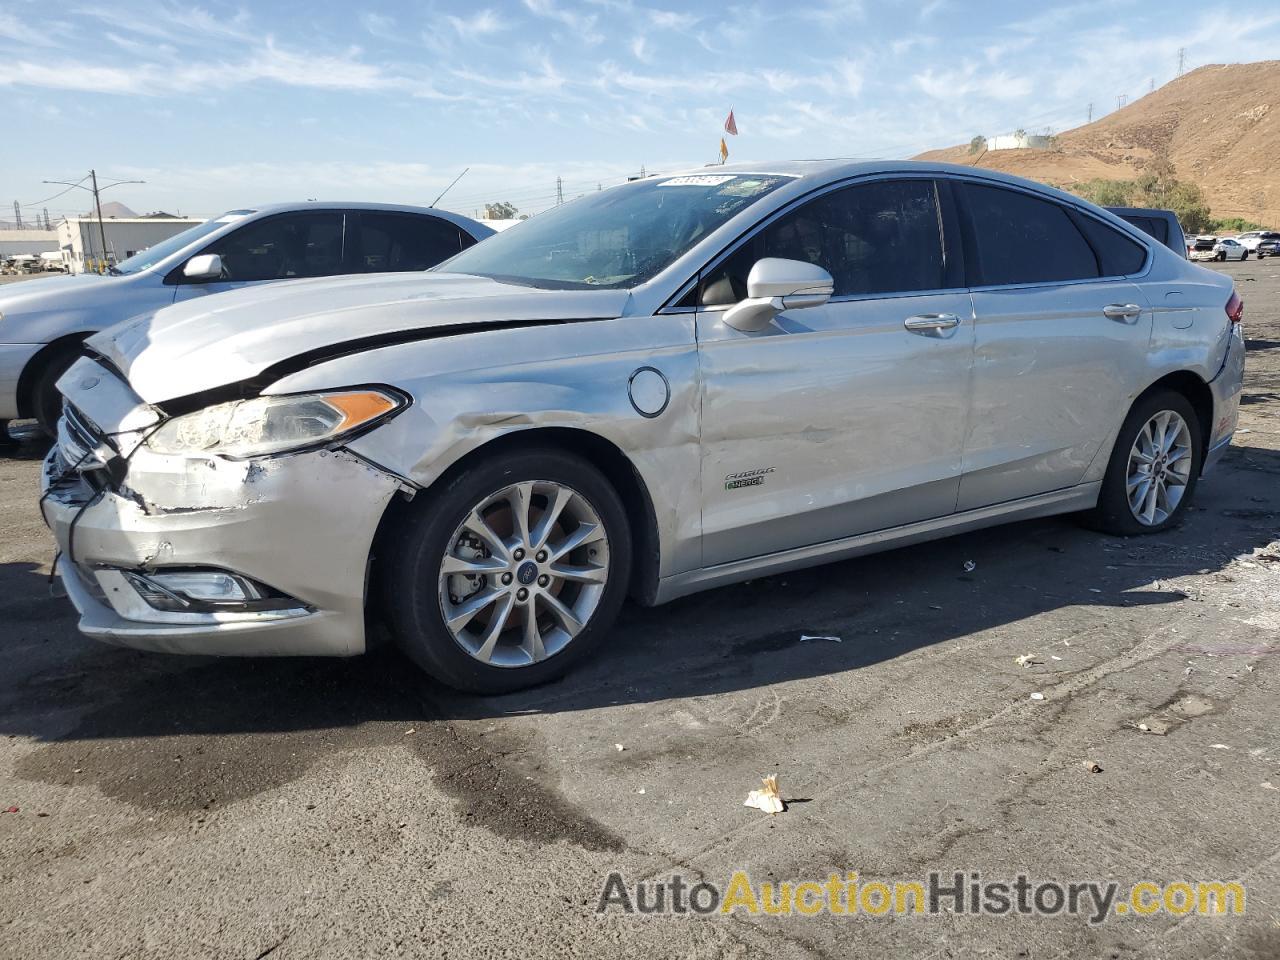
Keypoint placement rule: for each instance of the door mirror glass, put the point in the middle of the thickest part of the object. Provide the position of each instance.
(775, 285)
(203, 268)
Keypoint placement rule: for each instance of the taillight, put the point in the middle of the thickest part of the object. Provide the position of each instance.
(1235, 308)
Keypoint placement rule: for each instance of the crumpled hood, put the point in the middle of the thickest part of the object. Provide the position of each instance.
(224, 339)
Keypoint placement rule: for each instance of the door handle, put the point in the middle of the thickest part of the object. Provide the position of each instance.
(1121, 311)
(932, 321)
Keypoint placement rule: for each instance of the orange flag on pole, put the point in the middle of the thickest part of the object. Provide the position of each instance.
(724, 151)
(731, 125)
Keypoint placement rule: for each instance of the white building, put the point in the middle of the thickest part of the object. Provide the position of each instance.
(80, 240)
(17, 243)
(1020, 141)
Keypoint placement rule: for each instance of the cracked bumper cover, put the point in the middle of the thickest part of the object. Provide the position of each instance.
(301, 524)
(1226, 388)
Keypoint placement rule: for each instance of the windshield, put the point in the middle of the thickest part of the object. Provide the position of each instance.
(148, 258)
(615, 238)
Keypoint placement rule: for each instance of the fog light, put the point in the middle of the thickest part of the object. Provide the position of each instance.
(205, 591)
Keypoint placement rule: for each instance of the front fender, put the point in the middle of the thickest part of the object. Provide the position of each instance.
(471, 389)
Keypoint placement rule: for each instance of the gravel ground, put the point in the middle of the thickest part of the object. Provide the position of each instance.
(195, 807)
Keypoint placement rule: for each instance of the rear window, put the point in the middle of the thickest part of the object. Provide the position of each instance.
(1024, 239)
(1118, 255)
(1151, 226)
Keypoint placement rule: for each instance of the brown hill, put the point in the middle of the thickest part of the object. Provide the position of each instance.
(1219, 127)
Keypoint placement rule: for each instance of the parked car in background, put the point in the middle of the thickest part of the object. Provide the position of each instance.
(1228, 248)
(43, 324)
(1252, 238)
(1268, 245)
(680, 382)
(1161, 224)
(1203, 247)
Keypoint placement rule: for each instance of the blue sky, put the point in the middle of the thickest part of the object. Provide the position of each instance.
(223, 105)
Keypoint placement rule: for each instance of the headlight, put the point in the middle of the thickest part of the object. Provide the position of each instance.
(267, 425)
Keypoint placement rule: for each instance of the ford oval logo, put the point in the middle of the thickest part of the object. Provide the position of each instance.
(88, 383)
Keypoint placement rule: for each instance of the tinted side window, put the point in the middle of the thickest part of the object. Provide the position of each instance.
(402, 241)
(1151, 226)
(1023, 239)
(279, 248)
(881, 237)
(1117, 254)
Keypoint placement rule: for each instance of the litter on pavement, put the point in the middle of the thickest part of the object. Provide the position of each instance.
(767, 798)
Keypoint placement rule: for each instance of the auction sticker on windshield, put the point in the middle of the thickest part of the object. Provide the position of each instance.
(698, 181)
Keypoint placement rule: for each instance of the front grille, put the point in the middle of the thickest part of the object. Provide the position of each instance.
(81, 445)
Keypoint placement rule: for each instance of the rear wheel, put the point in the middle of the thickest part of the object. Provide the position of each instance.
(5, 439)
(1245, 255)
(510, 573)
(1154, 467)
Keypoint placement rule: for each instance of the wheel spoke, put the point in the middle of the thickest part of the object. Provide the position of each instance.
(574, 574)
(473, 566)
(1176, 454)
(495, 627)
(521, 501)
(583, 533)
(563, 614)
(463, 613)
(532, 644)
(475, 523)
(1139, 496)
(547, 521)
(1149, 504)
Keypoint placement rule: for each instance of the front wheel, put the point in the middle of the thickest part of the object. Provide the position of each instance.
(511, 572)
(46, 401)
(1154, 467)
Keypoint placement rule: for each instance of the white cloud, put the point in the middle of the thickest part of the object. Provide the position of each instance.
(673, 20)
(480, 24)
(968, 81)
(582, 25)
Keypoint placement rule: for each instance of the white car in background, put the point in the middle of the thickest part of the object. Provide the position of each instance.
(1250, 239)
(1229, 248)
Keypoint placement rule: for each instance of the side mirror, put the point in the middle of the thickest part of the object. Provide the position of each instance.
(775, 285)
(207, 266)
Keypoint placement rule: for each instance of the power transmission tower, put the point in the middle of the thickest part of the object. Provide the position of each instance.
(1151, 88)
(46, 219)
(1182, 59)
(1090, 120)
(1121, 100)
(17, 215)
(559, 191)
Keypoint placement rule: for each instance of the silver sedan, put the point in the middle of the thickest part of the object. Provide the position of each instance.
(681, 382)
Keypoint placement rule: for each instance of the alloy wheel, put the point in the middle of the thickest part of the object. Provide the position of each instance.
(524, 573)
(1159, 468)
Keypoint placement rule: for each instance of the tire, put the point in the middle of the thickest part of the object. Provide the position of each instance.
(418, 591)
(5, 440)
(46, 401)
(1244, 256)
(1113, 513)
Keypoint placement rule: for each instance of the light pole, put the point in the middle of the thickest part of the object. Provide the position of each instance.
(97, 204)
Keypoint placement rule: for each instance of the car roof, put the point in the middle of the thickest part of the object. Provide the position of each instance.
(265, 209)
(827, 171)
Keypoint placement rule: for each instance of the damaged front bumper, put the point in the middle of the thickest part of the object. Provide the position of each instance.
(295, 531)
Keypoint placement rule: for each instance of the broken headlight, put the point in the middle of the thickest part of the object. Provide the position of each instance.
(267, 425)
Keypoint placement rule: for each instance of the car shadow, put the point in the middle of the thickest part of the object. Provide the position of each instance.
(64, 687)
